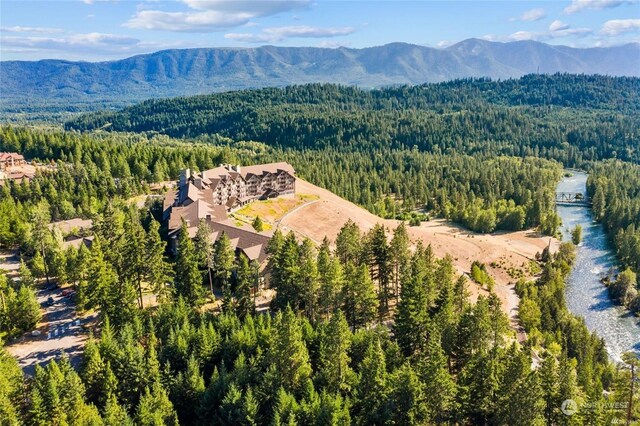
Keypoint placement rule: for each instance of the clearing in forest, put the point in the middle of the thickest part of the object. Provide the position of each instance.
(503, 253)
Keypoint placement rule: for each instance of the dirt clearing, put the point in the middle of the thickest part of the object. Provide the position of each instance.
(507, 251)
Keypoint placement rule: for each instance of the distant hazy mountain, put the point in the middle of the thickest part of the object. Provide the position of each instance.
(59, 83)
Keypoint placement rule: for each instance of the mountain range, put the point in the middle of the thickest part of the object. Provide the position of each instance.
(69, 85)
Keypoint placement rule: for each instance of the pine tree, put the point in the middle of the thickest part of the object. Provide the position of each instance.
(372, 390)
(380, 265)
(101, 279)
(115, 415)
(440, 387)
(187, 281)
(26, 277)
(257, 224)
(223, 261)
(412, 315)
(548, 374)
(230, 411)
(360, 302)
(92, 372)
(11, 389)
(250, 408)
(399, 251)
(188, 391)
(331, 278)
(307, 278)
(286, 267)
(204, 250)
(41, 236)
(134, 250)
(333, 410)
(157, 269)
(246, 276)
(155, 408)
(407, 397)
(334, 373)
(79, 276)
(25, 312)
(286, 409)
(288, 353)
(348, 242)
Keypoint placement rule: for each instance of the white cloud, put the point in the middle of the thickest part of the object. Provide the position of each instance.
(275, 34)
(445, 43)
(82, 46)
(558, 26)
(579, 5)
(99, 1)
(609, 42)
(76, 40)
(332, 44)
(531, 15)
(620, 26)
(19, 29)
(211, 15)
(557, 29)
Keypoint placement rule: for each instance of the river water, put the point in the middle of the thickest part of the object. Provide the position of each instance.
(586, 295)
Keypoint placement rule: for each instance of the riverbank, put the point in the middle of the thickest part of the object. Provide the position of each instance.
(585, 294)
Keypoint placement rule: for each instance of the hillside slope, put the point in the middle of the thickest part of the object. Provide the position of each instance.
(328, 214)
(86, 85)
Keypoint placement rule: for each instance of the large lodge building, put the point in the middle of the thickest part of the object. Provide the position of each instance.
(210, 195)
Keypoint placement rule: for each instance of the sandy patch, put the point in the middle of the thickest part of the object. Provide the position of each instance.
(330, 212)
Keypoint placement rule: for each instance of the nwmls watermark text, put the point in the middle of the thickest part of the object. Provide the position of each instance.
(569, 407)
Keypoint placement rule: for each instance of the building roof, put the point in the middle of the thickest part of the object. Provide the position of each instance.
(253, 244)
(8, 155)
(194, 200)
(76, 242)
(169, 199)
(194, 212)
(67, 226)
(261, 169)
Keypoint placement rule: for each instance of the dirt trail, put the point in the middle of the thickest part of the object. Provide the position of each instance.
(511, 250)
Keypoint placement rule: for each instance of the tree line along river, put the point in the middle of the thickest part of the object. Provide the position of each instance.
(586, 295)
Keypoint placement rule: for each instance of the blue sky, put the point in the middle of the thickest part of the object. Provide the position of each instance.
(111, 29)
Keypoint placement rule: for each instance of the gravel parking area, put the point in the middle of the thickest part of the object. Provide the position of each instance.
(60, 332)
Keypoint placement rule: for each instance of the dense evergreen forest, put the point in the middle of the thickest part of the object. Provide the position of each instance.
(569, 118)
(482, 192)
(374, 331)
(614, 187)
(324, 357)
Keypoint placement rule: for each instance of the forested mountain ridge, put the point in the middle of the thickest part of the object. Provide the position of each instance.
(70, 85)
(571, 118)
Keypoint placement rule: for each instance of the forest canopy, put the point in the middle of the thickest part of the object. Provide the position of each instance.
(570, 118)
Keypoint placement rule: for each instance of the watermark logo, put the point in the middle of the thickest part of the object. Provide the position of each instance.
(569, 407)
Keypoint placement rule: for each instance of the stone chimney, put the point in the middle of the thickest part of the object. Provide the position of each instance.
(185, 175)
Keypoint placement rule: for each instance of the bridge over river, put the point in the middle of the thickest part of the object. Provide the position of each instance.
(577, 199)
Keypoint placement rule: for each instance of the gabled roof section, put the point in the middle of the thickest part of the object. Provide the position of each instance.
(261, 169)
(4, 156)
(194, 212)
(252, 241)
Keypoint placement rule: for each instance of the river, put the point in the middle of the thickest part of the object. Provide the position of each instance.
(586, 295)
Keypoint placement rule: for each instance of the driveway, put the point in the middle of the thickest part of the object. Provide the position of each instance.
(61, 332)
